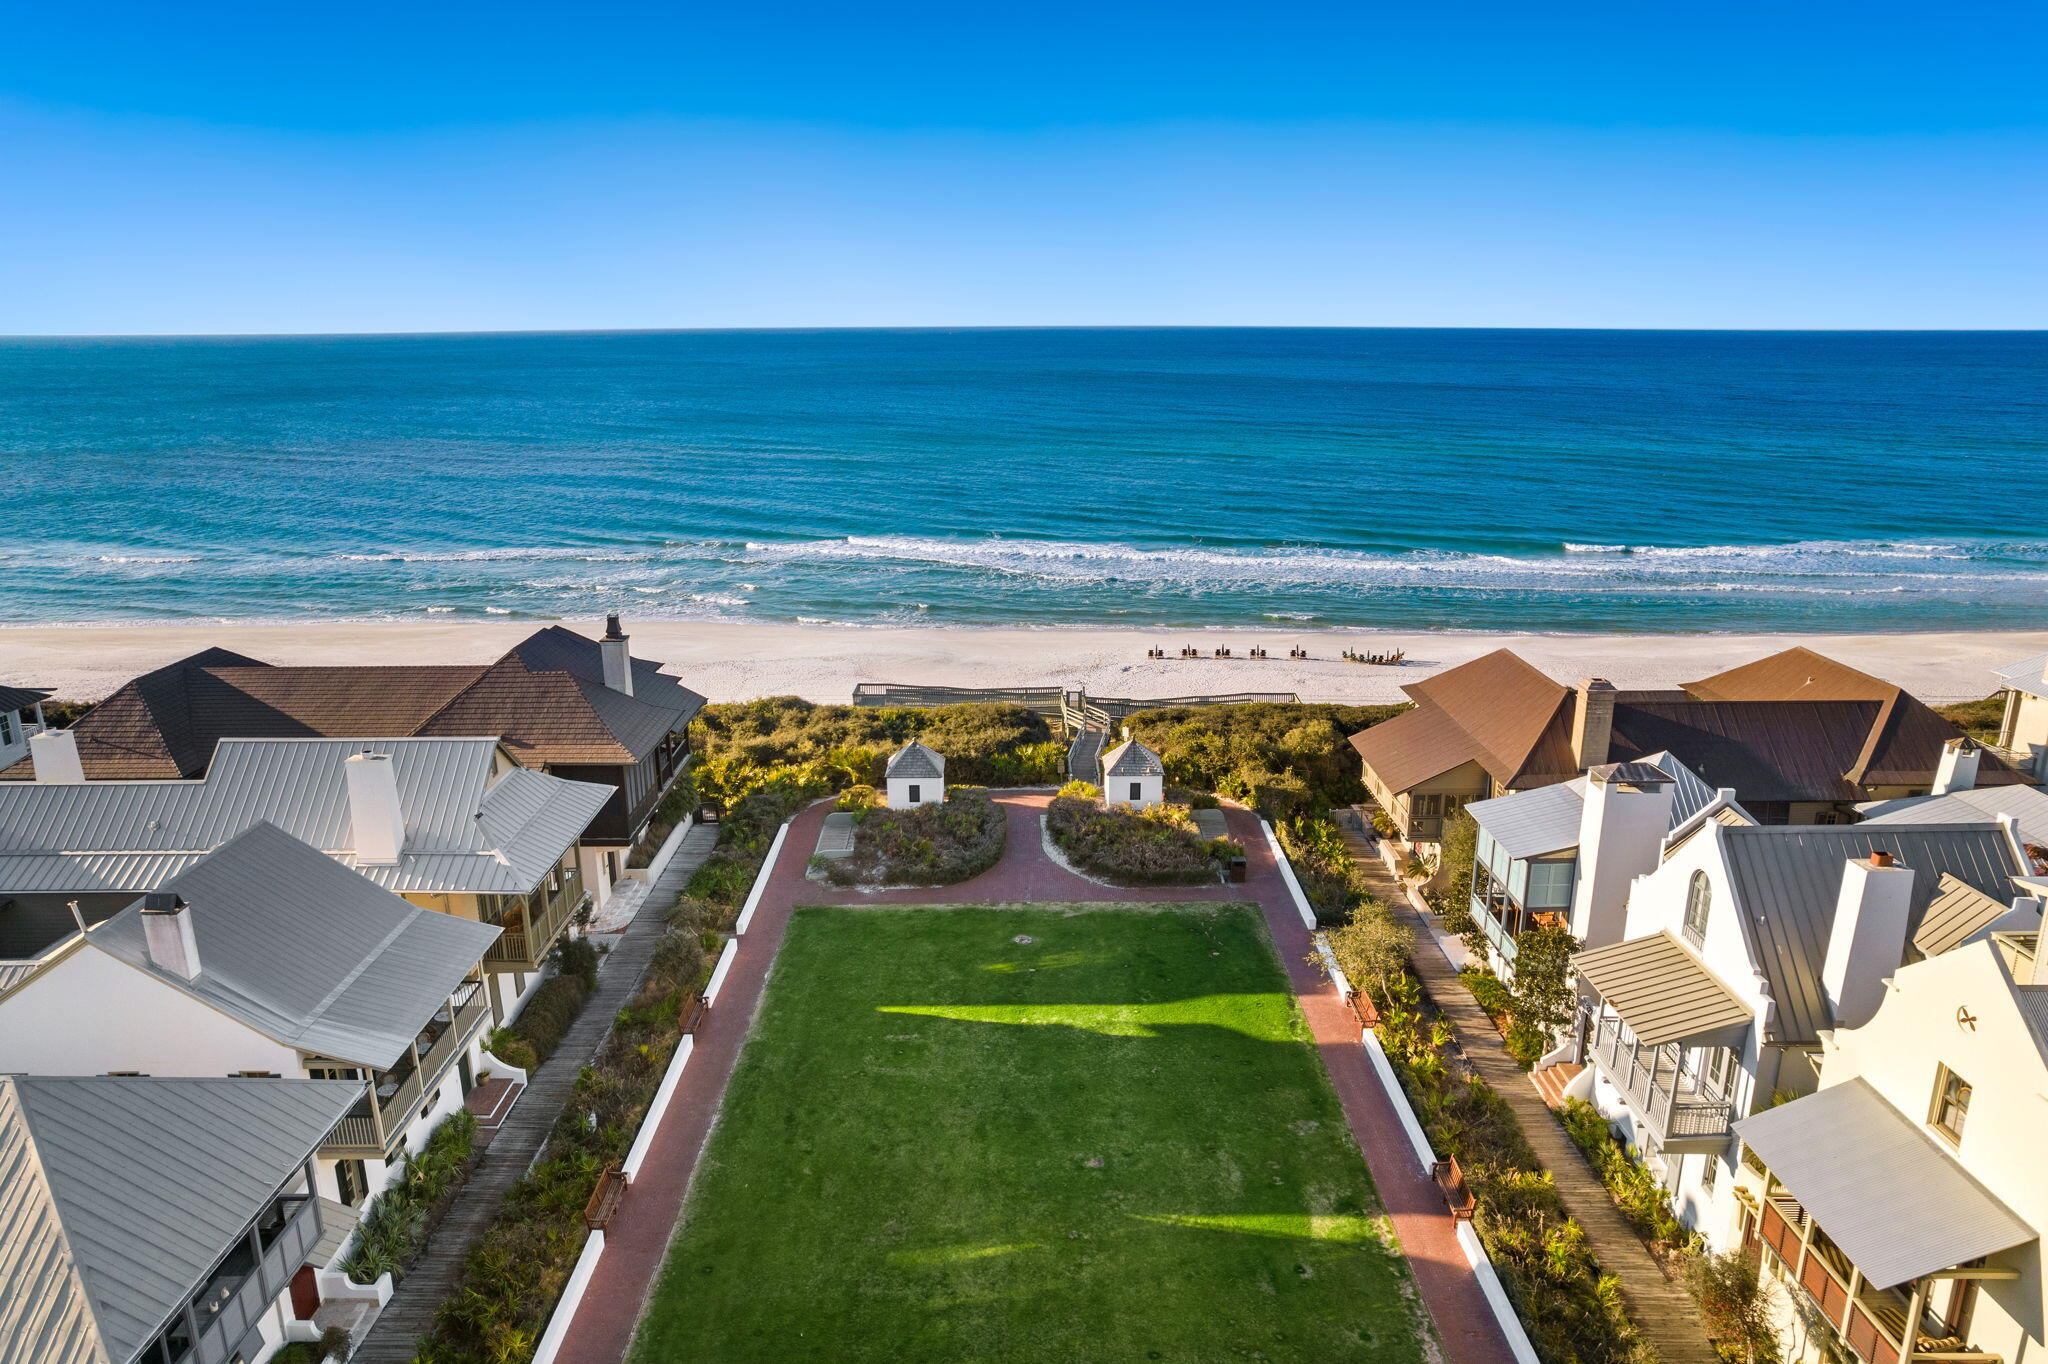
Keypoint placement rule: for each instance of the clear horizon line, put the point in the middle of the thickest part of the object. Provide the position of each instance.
(998, 327)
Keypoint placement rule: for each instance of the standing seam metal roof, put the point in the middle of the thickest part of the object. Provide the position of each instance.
(1663, 992)
(1132, 759)
(308, 953)
(118, 1194)
(915, 760)
(1788, 881)
(464, 832)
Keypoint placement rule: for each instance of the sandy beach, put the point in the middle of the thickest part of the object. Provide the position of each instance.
(729, 662)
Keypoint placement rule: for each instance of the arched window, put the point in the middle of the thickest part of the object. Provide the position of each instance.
(1699, 897)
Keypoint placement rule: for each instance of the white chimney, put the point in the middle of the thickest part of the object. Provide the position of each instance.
(1621, 836)
(55, 752)
(1868, 940)
(618, 657)
(167, 934)
(1958, 769)
(376, 820)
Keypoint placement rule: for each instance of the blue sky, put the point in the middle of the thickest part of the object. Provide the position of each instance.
(239, 167)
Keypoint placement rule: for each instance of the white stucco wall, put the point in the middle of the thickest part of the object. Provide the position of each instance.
(930, 791)
(1117, 791)
(92, 1012)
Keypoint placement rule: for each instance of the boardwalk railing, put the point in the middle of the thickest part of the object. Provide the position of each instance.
(1074, 710)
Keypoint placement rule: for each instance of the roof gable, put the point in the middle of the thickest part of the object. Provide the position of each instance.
(915, 760)
(127, 1190)
(1796, 674)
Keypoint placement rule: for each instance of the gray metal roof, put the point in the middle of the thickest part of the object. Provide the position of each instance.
(1663, 992)
(915, 760)
(20, 698)
(1132, 759)
(2026, 675)
(1788, 879)
(305, 951)
(1883, 1190)
(1957, 910)
(1545, 819)
(118, 1195)
(2028, 805)
(464, 831)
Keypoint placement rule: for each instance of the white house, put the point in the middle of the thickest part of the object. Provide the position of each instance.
(1566, 854)
(21, 715)
(453, 825)
(1898, 1210)
(158, 1220)
(1133, 775)
(2023, 730)
(1746, 945)
(915, 776)
(268, 958)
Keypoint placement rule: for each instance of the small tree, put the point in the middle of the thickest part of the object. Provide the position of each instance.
(1373, 948)
(1732, 1302)
(1543, 995)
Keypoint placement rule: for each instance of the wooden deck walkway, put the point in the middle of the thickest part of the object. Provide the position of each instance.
(394, 1337)
(1664, 1311)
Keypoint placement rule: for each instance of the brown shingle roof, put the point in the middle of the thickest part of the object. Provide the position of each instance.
(1496, 711)
(546, 698)
(1797, 674)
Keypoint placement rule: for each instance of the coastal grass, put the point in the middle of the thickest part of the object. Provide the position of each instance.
(1031, 1133)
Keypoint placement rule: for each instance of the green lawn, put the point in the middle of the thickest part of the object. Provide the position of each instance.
(1110, 1143)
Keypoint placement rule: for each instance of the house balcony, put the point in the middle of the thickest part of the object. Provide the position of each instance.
(374, 1127)
(530, 931)
(1682, 1114)
(1870, 1323)
(221, 1321)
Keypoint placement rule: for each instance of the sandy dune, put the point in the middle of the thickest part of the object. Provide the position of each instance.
(737, 662)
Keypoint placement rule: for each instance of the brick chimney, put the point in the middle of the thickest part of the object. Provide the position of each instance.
(167, 934)
(618, 657)
(55, 752)
(376, 819)
(1592, 722)
(1868, 940)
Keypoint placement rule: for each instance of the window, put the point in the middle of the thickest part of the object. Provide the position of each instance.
(1698, 898)
(6, 729)
(1550, 885)
(351, 1181)
(916, 794)
(1710, 1170)
(1951, 1104)
(1137, 790)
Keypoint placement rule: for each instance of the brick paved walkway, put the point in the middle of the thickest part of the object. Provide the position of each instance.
(638, 1236)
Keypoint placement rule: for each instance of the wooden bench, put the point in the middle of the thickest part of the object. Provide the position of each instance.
(1451, 1180)
(604, 1199)
(1362, 1005)
(693, 1012)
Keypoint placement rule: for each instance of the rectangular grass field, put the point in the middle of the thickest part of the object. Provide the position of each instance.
(1031, 1133)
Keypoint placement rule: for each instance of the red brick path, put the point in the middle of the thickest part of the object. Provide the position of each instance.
(639, 1235)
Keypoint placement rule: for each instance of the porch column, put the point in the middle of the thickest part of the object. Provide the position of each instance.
(1910, 1337)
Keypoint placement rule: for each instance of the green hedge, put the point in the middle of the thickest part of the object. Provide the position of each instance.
(985, 743)
(1334, 887)
(516, 1272)
(1158, 846)
(1284, 760)
(930, 845)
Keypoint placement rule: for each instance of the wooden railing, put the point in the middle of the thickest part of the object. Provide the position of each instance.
(521, 947)
(1658, 1093)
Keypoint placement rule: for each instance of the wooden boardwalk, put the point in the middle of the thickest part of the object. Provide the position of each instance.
(1665, 1312)
(394, 1337)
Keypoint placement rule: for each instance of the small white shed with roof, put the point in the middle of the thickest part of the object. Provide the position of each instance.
(915, 776)
(1133, 775)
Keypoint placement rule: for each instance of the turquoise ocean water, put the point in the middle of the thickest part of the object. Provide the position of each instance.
(1542, 480)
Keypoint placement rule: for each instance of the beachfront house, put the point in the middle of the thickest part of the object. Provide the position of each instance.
(915, 775)
(453, 825)
(268, 958)
(2023, 727)
(1564, 855)
(1741, 950)
(21, 715)
(1799, 738)
(1898, 1210)
(1133, 776)
(160, 1221)
(560, 702)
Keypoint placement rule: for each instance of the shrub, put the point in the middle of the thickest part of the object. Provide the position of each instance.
(1155, 847)
(1283, 759)
(548, 1012)
(1543, 993)
(1526, 1044)
(1333, 886)
(1637, 1192)
(857, 798)
(983, 742)
(747, 831)
(516, 1271)
(1489, 992)
(678, 803)
(930, 845)
(1732, 1300)
(1080, 790)
(395, 1230)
